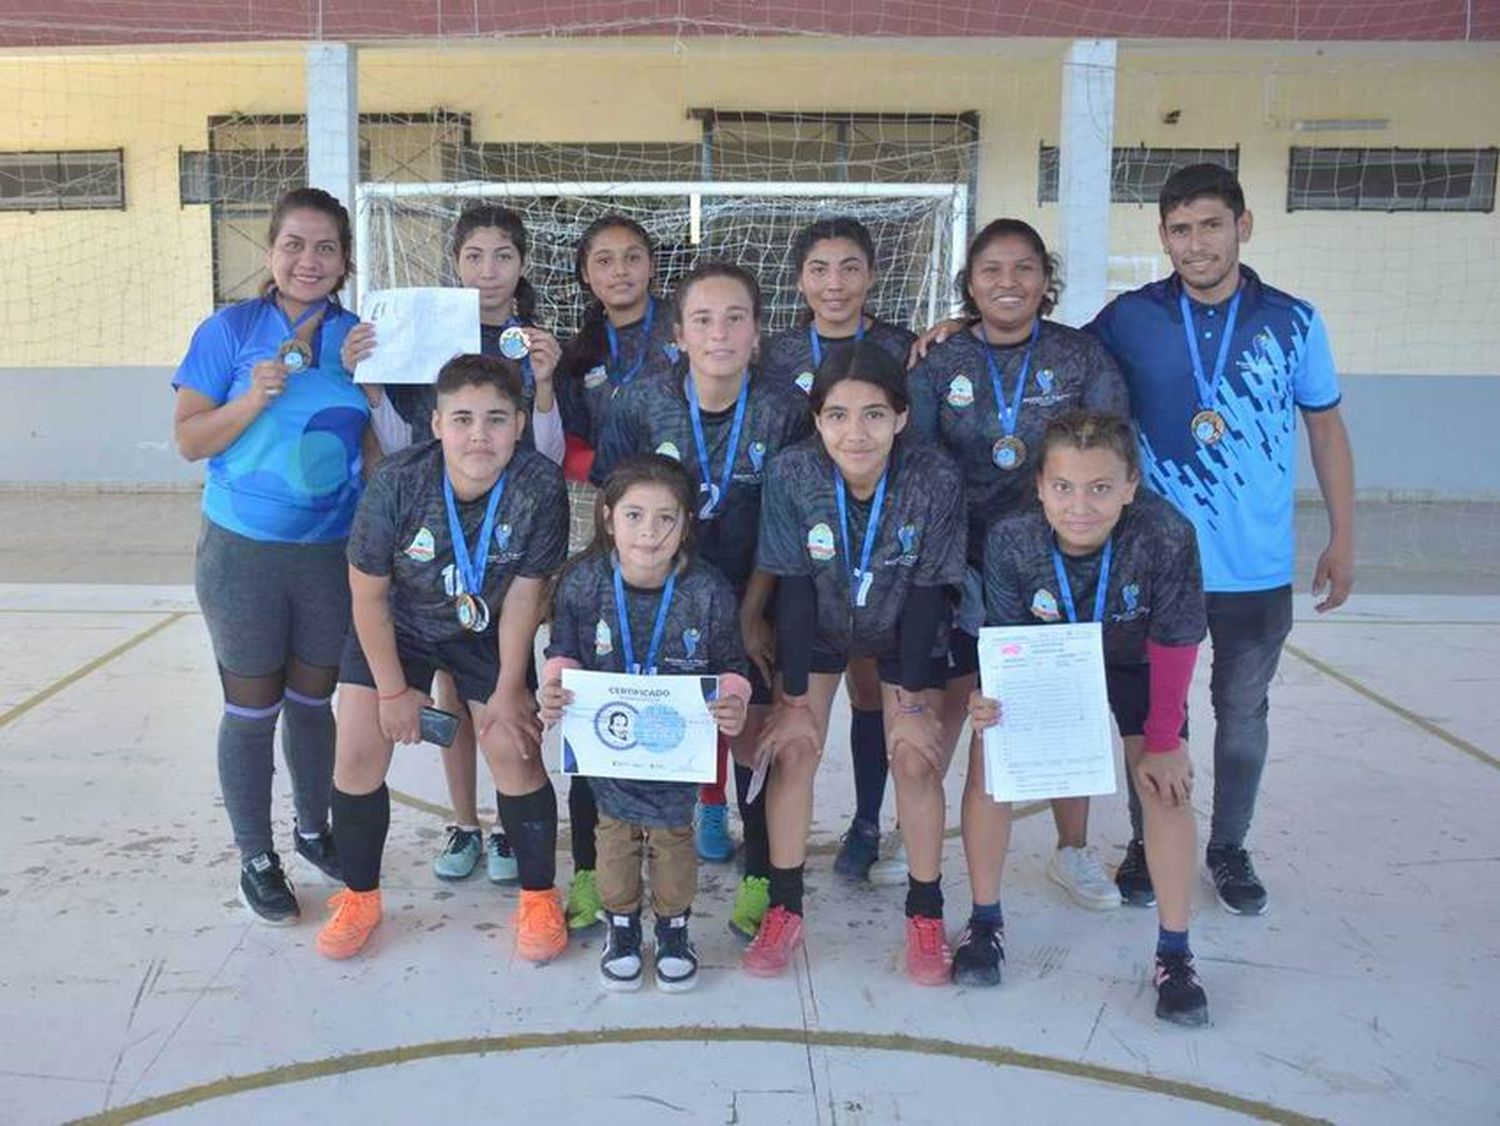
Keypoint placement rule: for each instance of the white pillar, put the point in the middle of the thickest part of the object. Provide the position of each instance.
(333, 119)
(1086, 142)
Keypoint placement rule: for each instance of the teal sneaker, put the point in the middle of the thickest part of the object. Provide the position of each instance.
(500, 860)
(460, 855)
(584, 907)
(712, 839)
(751, 902)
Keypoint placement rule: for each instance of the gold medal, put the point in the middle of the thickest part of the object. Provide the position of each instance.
(295, 355)
(1008, 453)
(1208, 426)
(472, 612)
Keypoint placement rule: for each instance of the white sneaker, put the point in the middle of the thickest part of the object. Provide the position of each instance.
(1079, 872)
(891, 868)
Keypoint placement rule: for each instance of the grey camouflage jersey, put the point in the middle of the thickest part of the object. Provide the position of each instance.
(788, 357)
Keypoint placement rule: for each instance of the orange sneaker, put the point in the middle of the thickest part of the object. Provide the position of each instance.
(355, 915)
(541, 929)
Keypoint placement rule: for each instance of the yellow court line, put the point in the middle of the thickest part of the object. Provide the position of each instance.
(798, 1037)
(1390, 705)
(95, 665)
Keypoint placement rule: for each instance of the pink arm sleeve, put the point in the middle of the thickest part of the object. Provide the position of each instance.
(1171, 673)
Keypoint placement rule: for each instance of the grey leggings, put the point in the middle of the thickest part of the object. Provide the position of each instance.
(278, 614)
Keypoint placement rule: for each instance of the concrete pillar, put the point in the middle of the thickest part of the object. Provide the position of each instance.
(1086, 141)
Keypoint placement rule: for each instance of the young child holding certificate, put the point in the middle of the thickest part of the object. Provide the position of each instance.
(640, 602)
(450, 551)
(1103, 550)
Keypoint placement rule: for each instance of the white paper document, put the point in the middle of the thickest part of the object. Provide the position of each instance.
(417, 331)
(650, 728)
(1054, 737)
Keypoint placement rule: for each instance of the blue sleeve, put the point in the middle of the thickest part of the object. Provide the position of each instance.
(208, 367)
(922, 424)
(619, 438)
(1105, 389)
(1101, 328)
(1315, 382)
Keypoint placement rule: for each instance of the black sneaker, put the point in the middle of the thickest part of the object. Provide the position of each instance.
(1134, 879)
(859, 849)
(265, 889)
(1179, 994)
(676, 960)
(1239, 889)
(620, 964)
(321, 853)
(977, 957)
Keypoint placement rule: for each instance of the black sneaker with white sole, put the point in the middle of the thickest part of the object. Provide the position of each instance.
(1133, 878)
(1179, 994)
(1234, 880)
(265, 889)
(621, 963)
(676, 960)
(320, 852)
(978, 955)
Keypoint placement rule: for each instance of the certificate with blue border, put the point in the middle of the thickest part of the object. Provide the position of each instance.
(645, 728)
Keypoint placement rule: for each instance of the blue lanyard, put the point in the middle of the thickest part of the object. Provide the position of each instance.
(1208, 390)
(817, 345)
(714, 492)
(615, 376)
(859, 580)
(472, 572)
(656, 631)
(528, 378)
(1010, 412)
(1100, 592)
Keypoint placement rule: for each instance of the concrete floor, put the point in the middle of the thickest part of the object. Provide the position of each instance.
(134, 984)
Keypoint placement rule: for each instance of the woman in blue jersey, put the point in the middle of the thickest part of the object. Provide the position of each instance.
(835, 261)
(262, 395)
(488, 248)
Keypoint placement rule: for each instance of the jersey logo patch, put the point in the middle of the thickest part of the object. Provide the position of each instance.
(671, 352)
(757, 455)
(961, 392)
(906, 535)
(595, 376)
(1132, 596)
(604, 640)
(1044, 606)
(421, 549)
(502, 537)
(820, 542)
(804, 382)
(668, 449)
(690, 639)
(1044, 380)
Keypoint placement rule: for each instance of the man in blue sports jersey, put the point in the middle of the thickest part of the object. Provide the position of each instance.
(1218, 365)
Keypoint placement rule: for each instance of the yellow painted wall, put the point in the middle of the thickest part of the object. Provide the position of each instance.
(1405, 293)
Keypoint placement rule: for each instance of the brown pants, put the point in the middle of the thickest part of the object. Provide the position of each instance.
(669, 854)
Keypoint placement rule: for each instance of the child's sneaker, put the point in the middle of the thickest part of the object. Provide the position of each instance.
(980, 951)
(585, 908)
(500, 860)
(891, 869)
(1133, 878)
(928, 960)
(1078, 872)
(778, 938)
(858, 852)
(620, 964)
(711, 838)
(355, 916)
(460, 855)
(1179, 994)
(320, 852)
(676, 960)
(265, 889)
(750, 904)
(541, 931)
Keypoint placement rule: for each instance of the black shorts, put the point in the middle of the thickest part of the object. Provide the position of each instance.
(940, 670)
(1129, 688)
(474, 664)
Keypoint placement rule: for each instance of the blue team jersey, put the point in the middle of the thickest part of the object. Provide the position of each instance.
(1238, 491)
(293, 475)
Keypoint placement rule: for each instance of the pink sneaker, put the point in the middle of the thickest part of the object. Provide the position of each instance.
(928, 959)
(777, 940)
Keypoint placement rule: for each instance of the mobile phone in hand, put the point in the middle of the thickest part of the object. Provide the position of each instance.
(438, 726)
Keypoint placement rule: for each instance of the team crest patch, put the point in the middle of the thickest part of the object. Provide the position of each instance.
(1044, 606)
(1044, 380)
(757, 455)
(907, 536)
(1132, 596)
(690, 639)
(421, 548)
(820, 542)
(502, 537)
(961, 392)
(669, 449)
(595, 376)
(671, 352)
(804, 382)
(604, 640)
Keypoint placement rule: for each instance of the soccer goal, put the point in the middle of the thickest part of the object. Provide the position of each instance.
(920, 233)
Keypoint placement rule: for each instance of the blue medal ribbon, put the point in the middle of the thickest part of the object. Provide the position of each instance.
(1208, 389)
(618, 378)
(1066, 588)
(715, 493)
(860, 578)
(1010, 413)
(817, 345)
(623, 612)
(471, 571)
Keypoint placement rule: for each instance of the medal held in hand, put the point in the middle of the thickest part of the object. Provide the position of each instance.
(513, 343)
(294, 355)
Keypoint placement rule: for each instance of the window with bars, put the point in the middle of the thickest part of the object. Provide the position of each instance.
(81, 180)
(1357, 179)
(1137, 173)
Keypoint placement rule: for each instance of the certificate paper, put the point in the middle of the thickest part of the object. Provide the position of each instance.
(1053, 739)
(649, 728)
(417, 331)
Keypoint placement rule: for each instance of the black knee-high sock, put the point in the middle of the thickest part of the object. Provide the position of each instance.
(757, 851)
(360, 825)
(867, 749)
(583, 819)
(530, 822)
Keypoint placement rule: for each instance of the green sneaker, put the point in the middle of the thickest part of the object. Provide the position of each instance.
(460, 855)
(584, 908)
(751, 903)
